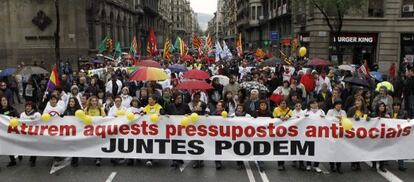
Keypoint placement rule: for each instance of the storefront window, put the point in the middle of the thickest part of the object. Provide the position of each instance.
(407, 48)
(376, 8)
(407, 9)
(352, 48)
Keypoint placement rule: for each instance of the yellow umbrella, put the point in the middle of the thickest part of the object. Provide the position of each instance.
(149, 74)
(388, 85)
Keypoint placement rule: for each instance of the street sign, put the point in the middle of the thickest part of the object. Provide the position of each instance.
(274, 36)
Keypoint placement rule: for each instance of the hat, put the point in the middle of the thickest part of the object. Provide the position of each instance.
(73, 87)
(254, 91)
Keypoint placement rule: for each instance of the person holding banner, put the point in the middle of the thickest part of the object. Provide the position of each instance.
(338, 113)
(93, 108)
(177, 108)
(135, 107)
(53, 107)
(152, 108)
(118, 107)
(380, 112)
(198, 106)
(284, 113)
(126, 98)
(297, 111)
(117, 110)
(8, 110)
(314, 111)
(220, 108)
(358, 111)
(263, 111)
(398, 113)
(73, 106)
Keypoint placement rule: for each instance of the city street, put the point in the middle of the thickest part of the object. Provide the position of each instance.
(161, 171)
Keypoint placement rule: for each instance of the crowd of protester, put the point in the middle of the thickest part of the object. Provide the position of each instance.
(105, 94)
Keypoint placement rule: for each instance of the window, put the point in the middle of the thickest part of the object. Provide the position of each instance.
(376, 8)
(407, 9)
(259, 12)
(253, 13)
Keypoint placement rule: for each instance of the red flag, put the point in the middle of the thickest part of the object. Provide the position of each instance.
(393, 71)
(152, 43)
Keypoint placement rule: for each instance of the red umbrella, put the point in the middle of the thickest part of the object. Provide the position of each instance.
(194, 85)
(148, 63)
(196, 74)
(276, 98)
(319, 62)
(309, 82)
(187, 58)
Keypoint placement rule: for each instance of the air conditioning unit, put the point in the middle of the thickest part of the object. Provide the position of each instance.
(408, 8)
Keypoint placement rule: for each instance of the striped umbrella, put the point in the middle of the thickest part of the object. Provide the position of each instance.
(149, 74)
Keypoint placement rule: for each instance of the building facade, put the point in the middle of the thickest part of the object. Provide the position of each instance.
(381, 33)
(258, 20)
(230, 22)
(29, 26)
(183, 18)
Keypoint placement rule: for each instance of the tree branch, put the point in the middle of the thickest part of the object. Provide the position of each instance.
(340, 17)
(325, 14)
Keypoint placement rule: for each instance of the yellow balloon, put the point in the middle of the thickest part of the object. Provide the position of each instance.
(80, 114)
(14, 122)
(87, 120)
(302, 51)
(194, 117)
(130, 116)
(346, 123)
(154, 118)
(224, 114)
(46, 117)
(120, 113)
(185, 121)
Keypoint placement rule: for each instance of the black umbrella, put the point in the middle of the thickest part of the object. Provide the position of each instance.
(357, 81)
(271, 62)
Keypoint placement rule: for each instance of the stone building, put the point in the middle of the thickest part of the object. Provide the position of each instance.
(182, 17)
(381, 32)
(230, 22)
(258, 19)
(27, 33)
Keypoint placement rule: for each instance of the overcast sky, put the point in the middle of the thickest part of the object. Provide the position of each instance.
(204, 6)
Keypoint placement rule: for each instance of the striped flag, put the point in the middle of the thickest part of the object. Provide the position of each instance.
(239, 46)
(209, 43)
(364, 70)
(54, 81)
(167, 46)
(134, 47)
(260, 53)
(183, 48)
(197, 43)
(285, 58)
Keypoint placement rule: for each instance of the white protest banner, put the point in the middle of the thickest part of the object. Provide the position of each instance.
(211, 138)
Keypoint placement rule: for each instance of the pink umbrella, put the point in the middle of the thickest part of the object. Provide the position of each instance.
(319, 62)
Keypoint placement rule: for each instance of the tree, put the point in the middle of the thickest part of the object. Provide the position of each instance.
(334, 11)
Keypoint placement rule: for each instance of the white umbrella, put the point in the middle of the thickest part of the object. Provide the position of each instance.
(346, 67)
(32, 70)
(224, 80)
